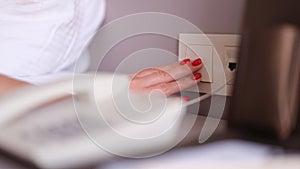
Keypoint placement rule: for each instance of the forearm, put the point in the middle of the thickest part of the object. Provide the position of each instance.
(8, 84)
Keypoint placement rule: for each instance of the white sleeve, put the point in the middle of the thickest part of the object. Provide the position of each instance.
(45, 38)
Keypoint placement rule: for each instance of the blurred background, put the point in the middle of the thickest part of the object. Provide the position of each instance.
(211, 16)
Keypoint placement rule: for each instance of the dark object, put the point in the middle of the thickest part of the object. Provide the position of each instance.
(266, 95)
(232, 66)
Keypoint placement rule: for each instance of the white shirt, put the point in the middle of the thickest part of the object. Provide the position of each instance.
(41, 40)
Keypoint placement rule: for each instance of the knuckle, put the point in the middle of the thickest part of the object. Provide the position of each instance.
(163, 74)
(164, 87)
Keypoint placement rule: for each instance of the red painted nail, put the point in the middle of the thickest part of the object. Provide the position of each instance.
(197, 62)
(186, 98)
(197, 76)
(185, 61)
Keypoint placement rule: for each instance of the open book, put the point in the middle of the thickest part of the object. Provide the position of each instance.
(100, 119)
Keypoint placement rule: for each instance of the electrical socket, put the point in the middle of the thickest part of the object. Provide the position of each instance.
(219, 55)
(231, 63)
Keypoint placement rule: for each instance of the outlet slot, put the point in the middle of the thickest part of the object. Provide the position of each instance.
(232, 66)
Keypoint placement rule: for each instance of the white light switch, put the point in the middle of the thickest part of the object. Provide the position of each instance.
(219, 55)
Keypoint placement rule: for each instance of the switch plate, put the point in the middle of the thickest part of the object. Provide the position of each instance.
(206, 55)
(231, 62)
(216, 51)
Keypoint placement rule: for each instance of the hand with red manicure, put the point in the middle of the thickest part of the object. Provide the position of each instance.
(168, 79)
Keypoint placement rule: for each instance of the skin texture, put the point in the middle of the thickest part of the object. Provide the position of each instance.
(168, 79)
(8, 84)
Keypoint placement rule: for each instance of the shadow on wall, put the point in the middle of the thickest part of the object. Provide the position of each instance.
(211, 16)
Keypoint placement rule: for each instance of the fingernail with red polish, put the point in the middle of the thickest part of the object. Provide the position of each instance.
(185, 61)
(197, 62)
(197, 76)
(186, 98)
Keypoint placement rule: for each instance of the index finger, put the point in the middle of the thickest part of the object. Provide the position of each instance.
(169, 73)
(183, 68)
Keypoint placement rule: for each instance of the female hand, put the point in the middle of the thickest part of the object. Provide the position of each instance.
(168, 79)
